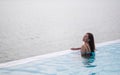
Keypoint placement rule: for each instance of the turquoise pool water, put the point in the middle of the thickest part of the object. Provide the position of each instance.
(105, 62)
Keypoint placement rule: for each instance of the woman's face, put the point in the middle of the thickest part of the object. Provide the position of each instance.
(85, 38)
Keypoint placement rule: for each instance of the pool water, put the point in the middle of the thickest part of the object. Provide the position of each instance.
(105, 62)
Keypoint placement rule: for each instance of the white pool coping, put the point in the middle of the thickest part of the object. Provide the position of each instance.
(50, 55)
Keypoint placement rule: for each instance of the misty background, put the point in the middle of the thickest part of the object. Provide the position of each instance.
(35, 27)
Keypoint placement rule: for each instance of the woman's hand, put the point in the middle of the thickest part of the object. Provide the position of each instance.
(75, 48)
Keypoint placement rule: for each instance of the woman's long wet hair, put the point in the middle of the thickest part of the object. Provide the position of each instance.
(91, 42)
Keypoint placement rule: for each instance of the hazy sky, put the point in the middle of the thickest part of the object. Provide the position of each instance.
(34, 27)
(57, 17)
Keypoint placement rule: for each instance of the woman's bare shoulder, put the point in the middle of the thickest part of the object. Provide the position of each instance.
(82, 47)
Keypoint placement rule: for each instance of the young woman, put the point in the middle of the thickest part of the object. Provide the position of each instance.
(88, 48)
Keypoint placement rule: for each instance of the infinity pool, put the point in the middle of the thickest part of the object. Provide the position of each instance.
(105, 62)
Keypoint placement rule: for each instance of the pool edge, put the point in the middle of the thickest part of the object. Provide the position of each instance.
(49, 55)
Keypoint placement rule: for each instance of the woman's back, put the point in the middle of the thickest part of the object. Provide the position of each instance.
(85, 50)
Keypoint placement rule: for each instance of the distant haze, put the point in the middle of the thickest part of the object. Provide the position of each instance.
(35, 27)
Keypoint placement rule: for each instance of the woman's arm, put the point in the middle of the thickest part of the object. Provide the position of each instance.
(75, 48)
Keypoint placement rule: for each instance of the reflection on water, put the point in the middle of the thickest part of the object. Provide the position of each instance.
(88, 63)
(88, 60)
